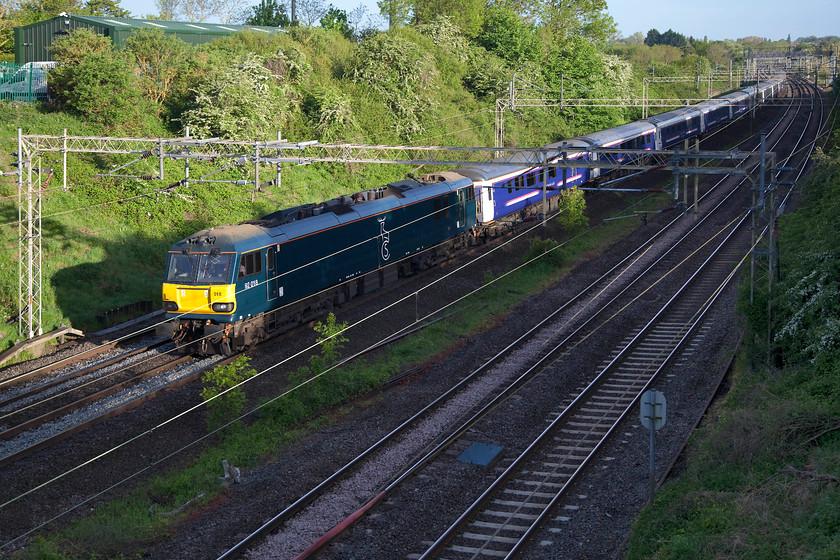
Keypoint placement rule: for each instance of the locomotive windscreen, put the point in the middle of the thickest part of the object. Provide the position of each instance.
(199, 268)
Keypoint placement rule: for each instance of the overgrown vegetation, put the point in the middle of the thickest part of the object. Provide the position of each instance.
(763, 479)
(223, 393)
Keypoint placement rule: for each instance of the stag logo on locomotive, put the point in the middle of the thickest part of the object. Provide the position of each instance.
(384, 251)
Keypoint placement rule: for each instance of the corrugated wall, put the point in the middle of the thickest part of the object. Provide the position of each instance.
(32, 41)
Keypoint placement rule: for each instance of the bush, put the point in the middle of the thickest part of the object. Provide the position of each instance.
(239, 102)
(508, 36)
(160, 62)
(403, 73)
(223, 408)
(573, 210)
(103, 87)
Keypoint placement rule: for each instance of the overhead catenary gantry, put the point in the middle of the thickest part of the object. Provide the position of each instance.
(254, 155)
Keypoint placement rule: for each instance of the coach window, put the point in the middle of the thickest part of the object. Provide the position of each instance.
(552, 172)
(532, 179)
(520, 182)
(250, 264)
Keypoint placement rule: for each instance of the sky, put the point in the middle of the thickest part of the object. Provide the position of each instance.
(715, 19)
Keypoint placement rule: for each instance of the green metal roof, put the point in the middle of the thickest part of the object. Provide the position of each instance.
(172, 26)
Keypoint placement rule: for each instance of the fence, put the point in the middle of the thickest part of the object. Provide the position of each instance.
(125, 313)
(24, 82)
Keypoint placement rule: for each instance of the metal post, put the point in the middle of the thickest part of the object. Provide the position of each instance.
(685, 180)
(696, 178)
(21, 301)
(64, 160)
(279, 139)
(652, 470)
(187, 161)
(256, 169)
(771, 215)
(544, 197)
(160, 158)
(676, 174)
(29, 246)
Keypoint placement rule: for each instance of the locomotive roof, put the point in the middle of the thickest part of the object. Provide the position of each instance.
(299, 221)
(225, 238)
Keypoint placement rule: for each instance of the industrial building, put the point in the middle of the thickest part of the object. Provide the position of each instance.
(32, 41)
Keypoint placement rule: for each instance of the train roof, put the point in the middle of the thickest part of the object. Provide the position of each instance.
(674, 116)
(711, 104)
(616, 135)
(511, 164)
(734, 97)
(225, 238)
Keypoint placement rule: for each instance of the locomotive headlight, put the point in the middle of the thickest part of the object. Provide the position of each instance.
(223, 307)
(170, 306)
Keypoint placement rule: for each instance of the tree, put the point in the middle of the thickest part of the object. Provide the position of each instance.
(159, 60)
(653, 37)
(270, 13)
(396, 12)
(337, 19)
(355, 18)
(506, 35)
(167, 9)
(71, 49)
(238, 102)
(223, 393)
(104, 89)
(718, 55)
(7, 25)
(197, 11)
(310, 11)
(585, 18)
(105, 8)
(228, 10)
(673, 38)
(402, 74)
(32, 11)
(468, 15)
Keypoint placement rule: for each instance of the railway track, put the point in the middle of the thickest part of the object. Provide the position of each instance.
(44, 411)
(538, 482)
(633, 368)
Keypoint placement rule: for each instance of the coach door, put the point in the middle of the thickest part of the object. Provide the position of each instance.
(271, 273)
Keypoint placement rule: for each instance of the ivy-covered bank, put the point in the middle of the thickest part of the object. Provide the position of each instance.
(762, 476)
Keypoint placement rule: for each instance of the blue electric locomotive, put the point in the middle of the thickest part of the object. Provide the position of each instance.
(228, 287)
